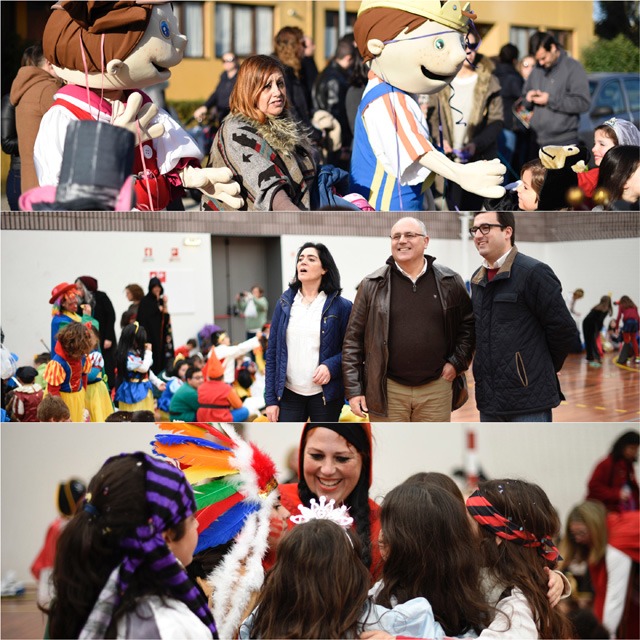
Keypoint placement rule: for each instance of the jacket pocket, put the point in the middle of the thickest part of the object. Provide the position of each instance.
(520, 368)
(506, 307)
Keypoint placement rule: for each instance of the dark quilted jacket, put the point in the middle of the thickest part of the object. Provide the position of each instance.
(335, 315)
(524, 332)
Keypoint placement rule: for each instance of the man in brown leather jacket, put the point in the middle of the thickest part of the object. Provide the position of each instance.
(410, 335)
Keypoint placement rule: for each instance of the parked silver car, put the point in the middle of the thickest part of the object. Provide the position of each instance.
(612, 95)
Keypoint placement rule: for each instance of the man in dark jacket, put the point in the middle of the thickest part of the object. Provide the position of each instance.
(524, 330)
(410, 336)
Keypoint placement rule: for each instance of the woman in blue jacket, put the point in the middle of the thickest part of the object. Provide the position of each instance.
(304, 357)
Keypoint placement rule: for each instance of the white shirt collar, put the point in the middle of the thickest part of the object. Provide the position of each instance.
(414, 280)
(499, 262)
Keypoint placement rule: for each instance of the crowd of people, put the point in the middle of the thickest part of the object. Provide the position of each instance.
(319, 356)
(203, 541)
(285, 130)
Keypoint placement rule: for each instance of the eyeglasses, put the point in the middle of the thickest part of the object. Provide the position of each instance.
(483, 229)
(396, 237)
(471, 46)
(228, 59)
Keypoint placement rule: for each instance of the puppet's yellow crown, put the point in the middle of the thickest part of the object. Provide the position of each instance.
(454, 13)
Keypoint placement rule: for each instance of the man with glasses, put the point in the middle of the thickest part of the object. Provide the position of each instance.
(524, 330)
(410, 335)
(557, 90)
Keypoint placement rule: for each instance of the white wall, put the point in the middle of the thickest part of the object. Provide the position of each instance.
(36, 457)
(33, 262)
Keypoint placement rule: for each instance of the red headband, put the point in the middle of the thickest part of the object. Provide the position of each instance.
(485, 514)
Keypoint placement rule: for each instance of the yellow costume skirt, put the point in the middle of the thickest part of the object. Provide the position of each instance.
(75, 403)
(98, 401)
(144, 405)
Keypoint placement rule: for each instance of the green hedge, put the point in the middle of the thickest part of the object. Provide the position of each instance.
(184, 108)
(617, 55)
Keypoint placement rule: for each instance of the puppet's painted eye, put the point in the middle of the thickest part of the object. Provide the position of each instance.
(164, 29)
(439, 43)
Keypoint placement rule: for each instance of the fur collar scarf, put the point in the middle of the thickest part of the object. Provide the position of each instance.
(283, 134)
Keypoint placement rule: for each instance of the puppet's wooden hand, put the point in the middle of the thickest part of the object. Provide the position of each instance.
(137, 118)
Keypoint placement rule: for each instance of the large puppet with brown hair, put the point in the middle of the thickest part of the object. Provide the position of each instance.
(106, 52)
(411, 47)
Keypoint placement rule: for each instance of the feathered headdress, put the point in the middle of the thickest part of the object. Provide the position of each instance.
(233, 483)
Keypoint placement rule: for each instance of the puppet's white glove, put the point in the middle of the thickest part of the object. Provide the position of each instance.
(215, 183)
(136, 117)
(483, 177)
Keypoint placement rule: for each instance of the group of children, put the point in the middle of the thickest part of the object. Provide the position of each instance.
(483, 567)
(614, 179)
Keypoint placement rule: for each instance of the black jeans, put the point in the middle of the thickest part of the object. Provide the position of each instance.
(297, 408)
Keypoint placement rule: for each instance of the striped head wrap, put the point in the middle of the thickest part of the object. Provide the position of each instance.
(169, 500)
(485, 514)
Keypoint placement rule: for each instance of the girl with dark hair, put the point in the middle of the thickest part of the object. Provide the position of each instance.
(619, 177)
(303, 376)
(613, 481)
(334, 461)
(266, 149)
(445, 570)
(318, 589)
(592, 328)
(517, 523)
(119, 570)
(134, 377)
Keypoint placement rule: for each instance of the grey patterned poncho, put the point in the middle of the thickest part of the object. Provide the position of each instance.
(264, 158)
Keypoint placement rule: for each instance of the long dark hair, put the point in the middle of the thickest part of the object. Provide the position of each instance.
(617, 166)
(317, 587)
(89, 548)
(331, 279)
(132, 338)
(357, 500)
(432, 552)
(517, 566)
(626, 439)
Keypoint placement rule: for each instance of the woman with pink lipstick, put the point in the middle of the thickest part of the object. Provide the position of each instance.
(335, 462)
(303, 374)
(267, 151)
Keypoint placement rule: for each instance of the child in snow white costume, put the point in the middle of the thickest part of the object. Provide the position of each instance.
(106, 52)
(411, 47)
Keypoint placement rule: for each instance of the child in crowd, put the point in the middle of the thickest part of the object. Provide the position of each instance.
(40, 363)
(618, 185)
(628, 313)
(173, 383)
(611, 133)
(517, 524)
(98, 400)
(217, 400)
(318, 588)
(119, 570)
(25, 398)
(134, 378)
(592, 330)
(53, 409)
(532, 177)
(614, 338)
(66, 373)
(70, 495)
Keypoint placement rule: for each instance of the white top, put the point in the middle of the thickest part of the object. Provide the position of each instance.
(398, 133)
(227, 355)
(462, 101)
(303, 344)
(618, 570)
(404, 273)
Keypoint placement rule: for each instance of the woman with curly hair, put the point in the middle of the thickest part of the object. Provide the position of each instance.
(335, 462)
(119, 569)
(268, 152)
